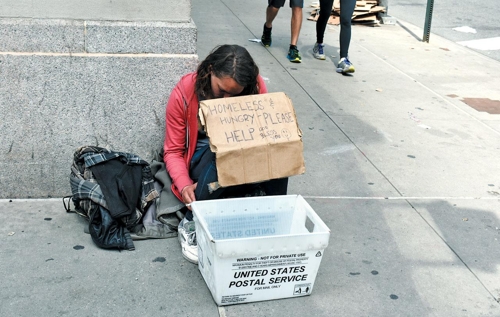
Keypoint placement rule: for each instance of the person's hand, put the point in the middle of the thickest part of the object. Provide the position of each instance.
(188, 194)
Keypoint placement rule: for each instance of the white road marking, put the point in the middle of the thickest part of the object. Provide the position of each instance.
(490, 44)
(465, 29)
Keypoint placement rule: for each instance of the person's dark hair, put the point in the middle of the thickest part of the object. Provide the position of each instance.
(228, 61)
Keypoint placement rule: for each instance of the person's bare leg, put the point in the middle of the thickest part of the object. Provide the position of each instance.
(271, 13)
(296, 24)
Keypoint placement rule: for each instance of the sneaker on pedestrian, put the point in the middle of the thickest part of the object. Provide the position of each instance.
(318, 51)
(345, 66)
(187, 238)
(266, 38)
(294, 55)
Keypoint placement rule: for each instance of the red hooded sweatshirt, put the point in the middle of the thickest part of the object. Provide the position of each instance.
(181, 133)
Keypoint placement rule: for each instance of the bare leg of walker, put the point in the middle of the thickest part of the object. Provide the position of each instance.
(296, 23)
(271, 13)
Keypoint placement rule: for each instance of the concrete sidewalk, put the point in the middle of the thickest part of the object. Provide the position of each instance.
(403, 172)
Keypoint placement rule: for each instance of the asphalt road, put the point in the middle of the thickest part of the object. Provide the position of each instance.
(473, 15)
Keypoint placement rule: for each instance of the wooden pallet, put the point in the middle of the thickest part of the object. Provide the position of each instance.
(364, 13)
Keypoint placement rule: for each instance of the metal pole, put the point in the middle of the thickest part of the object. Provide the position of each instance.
(428, 20)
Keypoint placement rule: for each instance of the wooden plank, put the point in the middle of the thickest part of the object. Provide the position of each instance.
(334, 20)
(365, 12)
(364, 8)
(370, 17)
(377, 9)
(313, 17)
(361, 13)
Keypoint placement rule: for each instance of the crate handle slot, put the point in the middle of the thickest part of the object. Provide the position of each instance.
(309, 224)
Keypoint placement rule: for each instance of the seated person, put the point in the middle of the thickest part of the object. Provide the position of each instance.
(227, 71)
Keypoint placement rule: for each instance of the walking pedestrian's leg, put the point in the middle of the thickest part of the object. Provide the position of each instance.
(271, 12)
(296, 24)
(325, 10)
(346, 9)
(324, 15)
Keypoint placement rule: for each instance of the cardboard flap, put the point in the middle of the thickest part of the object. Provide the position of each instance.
(255, 137)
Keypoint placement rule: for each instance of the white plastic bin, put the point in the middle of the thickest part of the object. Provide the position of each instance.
(259, 248)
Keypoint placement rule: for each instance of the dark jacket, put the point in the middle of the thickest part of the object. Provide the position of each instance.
(114, 201)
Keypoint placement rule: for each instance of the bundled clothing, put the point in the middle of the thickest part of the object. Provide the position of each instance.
(112, 190)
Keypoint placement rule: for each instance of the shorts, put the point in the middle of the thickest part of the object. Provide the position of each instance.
(281, 3)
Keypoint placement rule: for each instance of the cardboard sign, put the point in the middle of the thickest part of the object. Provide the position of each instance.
(255, 137)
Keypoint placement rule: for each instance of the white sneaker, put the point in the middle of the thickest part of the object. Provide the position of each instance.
(187, 238)
(318, 51)
(345, 66)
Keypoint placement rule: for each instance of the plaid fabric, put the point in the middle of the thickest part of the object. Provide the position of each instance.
(87, 191)
(93, 155)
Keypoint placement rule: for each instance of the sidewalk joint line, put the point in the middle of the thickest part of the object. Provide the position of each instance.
(85, 36)
(402, 197)
(222, 312)
(4, 200)
(83, 54)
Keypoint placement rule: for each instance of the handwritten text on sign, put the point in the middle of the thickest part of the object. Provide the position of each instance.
(250, 135)
(249, 120)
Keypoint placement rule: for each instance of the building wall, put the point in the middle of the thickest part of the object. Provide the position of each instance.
(99, 75)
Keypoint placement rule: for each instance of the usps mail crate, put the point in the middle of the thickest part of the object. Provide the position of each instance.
(259, 248)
